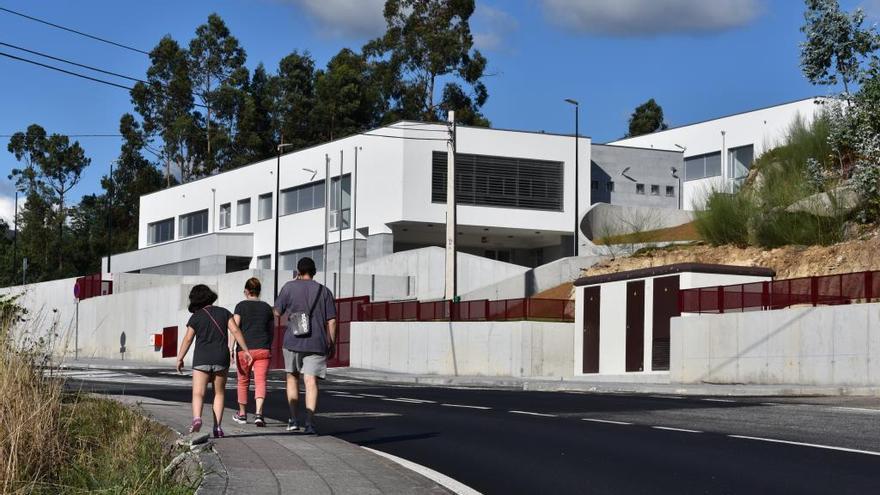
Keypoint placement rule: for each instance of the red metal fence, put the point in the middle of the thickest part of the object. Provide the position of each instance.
(482, 310)
(824, 290)
(92, 286)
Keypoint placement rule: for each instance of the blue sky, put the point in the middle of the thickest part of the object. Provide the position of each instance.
(698, 58)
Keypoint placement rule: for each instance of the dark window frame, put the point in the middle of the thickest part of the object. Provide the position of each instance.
(150, 238)
(186, 218)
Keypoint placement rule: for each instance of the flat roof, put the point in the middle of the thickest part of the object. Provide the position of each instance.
(656, 271)
(815, 99)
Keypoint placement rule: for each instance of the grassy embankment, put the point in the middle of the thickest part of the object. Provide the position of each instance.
(56, 441)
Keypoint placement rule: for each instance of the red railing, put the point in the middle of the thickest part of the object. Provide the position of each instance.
(482, 310)
(92, 286)
(823, 290)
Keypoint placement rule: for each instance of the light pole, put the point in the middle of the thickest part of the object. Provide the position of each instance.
(278, 209)
(577, 107)
(110, 217)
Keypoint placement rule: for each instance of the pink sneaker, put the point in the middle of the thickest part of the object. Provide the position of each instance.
(218, 432)
(196, 425)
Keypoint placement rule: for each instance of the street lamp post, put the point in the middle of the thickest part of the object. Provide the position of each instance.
(576, 170)
(278, 209)
(110, 217)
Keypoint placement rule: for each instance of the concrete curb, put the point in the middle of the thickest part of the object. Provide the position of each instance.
(570, 385)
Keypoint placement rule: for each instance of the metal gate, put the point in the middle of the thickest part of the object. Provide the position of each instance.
(347, 311)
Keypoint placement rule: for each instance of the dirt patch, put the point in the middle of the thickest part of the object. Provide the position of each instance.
(788, 262)
(684, 232)
(564, 291)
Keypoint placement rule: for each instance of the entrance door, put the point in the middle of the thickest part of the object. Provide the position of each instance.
(591, 329)
(635, 325)
(665, 307)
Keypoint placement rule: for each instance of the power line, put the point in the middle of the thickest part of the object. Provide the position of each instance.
(59, 69)
(58, 26)
(74, 135)
(59, 59)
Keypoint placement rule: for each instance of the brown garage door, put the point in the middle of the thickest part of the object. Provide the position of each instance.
(591, 329)
(635, 325)
(665, 307)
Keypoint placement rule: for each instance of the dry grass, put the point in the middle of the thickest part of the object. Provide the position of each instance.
(53, 441)
(684, 232)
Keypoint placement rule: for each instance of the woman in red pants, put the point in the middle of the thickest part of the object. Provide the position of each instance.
(256, 319)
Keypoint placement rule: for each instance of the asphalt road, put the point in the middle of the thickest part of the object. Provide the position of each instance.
(511, 441)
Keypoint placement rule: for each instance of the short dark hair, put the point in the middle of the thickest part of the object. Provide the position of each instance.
(200, 296)
(306, 266)
(253, 286)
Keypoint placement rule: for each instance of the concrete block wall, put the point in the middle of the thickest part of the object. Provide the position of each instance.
(516, 348)
(830, 345)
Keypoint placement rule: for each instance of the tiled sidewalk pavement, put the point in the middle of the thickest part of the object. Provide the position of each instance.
(272, 461)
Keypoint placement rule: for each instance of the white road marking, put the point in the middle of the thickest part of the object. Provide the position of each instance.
(466, 406)
(669, 428)
(377, 396)
(719, 400)
(607, 421)
(407, 401)
(439, 478)
(533, 414)
(771, 404)
(418, 400)
(802, 444)
(348, 396)
(666, 397)
(857, 409)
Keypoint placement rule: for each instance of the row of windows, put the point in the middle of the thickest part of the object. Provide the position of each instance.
(289, 259)
(640, 188)
(709, 165)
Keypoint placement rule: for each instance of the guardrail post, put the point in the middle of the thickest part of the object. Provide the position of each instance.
(527, 309)
(814, 291)
(765, 295)
(721, 299)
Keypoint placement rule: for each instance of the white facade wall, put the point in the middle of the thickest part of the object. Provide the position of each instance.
(511, 348)
(612, 318)
(830, 346)
(764, 129)
(393, 185)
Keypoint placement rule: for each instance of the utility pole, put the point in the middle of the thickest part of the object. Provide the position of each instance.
(110, 218)
(15, 238)
(277, 211)
(451, 210)
(326, 211)
(340, 222)
(354, 183)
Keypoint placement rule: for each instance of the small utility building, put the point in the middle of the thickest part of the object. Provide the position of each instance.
(622, 319)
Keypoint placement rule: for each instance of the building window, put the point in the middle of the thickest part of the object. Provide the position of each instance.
(703, 166)
(740, 160)
(243, 212)
(194, 224)
(340, 203)
(640, 189)
(302, 198)
(225, 216)
(264, 207)
(594, 185)
(289, 259)
(609, 186)
(161, 231)
(655, 190)
(670, 191)
(483, 180)
(264, 262)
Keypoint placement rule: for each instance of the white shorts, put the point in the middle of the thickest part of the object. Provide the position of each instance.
(305, 363)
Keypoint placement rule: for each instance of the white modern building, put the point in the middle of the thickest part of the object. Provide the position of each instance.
(387, 193)
(719, 152)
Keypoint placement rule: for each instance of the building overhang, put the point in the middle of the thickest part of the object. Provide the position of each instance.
(238, 245)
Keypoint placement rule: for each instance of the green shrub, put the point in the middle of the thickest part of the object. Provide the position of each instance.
(725, 219)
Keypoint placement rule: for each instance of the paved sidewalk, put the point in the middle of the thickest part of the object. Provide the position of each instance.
(272, 461)
(585, 384)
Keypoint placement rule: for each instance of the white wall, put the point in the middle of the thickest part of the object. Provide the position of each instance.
(763, 128)
(830, 345)
(515, 348)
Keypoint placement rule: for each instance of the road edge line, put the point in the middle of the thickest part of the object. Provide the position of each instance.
(441, 479)
(804, 444)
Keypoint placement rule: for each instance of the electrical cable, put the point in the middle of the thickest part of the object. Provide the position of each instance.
(73, 135)
(59, 59)
(58, 26)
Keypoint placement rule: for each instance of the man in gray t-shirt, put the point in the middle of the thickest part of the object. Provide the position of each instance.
(306, 355)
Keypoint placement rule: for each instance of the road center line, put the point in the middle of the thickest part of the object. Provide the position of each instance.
(608, 421)
(666, 397)
(533, 414)
(374, 395)
(348, 396)
(771, 404)
(719, 400)
(423, 401)
(802, 444)
(466, 406)
(407, 401)
(669, 428)
(857, 409)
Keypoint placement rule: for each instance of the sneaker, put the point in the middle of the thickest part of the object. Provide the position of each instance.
(292, 425)
(218, 432)
(310, 430)
(196, 425)
(240, 418)
(258, 420)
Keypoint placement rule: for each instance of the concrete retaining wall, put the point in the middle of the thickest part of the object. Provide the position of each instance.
(519, 349)
(834, 345)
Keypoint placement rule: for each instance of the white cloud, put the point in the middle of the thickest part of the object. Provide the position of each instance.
(345, 18)
(630, 18)
(7, 207)
(492, 27)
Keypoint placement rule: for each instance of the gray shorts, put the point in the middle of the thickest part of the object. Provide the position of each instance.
(211, 368)
(305, 363)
